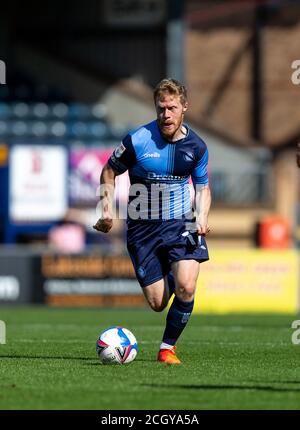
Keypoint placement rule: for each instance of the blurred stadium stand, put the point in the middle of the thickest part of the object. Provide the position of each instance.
(86, 84)
(83, 85)
(68, 121)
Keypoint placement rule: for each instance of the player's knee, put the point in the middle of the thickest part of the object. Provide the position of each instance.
(157, 306)
(186, 291)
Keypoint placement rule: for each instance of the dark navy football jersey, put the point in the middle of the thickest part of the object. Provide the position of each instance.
(159, 171)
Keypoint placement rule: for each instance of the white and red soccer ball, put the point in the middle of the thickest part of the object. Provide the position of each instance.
(116, 345)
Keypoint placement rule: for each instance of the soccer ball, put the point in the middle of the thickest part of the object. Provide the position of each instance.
(116, 345)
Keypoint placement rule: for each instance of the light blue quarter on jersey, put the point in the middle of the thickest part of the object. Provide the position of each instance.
(159, 172)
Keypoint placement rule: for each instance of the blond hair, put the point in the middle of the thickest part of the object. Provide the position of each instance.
(170, 86)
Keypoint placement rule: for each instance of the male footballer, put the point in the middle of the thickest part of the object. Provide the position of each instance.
(165, 229)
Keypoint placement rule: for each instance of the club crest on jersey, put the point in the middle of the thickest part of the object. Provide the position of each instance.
(119, 150)
(188, 156)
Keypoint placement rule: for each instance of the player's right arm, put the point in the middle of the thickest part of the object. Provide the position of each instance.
(107, 187)
(122, 158)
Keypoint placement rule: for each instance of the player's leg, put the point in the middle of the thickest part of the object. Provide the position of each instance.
(171, 283)
(159, 293)
(186, 274)
(150, 262)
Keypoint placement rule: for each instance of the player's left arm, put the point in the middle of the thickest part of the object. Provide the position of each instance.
(203, 203)
(202, 192)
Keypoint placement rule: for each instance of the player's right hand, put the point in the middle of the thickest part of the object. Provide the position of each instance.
(103, 224)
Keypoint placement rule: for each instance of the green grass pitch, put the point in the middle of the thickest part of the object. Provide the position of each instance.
(229, 362)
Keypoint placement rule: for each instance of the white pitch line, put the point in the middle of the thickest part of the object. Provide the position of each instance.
(145, 342)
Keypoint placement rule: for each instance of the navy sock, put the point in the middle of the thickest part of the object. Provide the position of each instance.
(177, 318)
(171, 282)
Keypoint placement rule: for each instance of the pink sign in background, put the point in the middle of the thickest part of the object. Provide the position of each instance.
(85, 169)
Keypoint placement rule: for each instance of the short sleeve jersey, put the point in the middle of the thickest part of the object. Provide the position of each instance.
(160, 170)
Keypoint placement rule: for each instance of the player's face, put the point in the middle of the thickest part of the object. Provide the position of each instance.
(170, 113)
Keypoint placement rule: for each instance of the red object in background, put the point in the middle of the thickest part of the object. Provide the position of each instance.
(274, 232)
(36, 162)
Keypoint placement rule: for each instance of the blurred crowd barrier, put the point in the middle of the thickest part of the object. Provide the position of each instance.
(249, 280)
(241, 280)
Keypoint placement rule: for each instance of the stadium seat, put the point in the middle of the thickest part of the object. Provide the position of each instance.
(98, 110)
(98, 129)
(19, 128)
(5, 110)
(20, 109)
(3, 128)
(59, 110)
(79, 111)
(39, 129)
(40, 110)
(119, 130)
(58, 128)
(78, 129)
(74, 122)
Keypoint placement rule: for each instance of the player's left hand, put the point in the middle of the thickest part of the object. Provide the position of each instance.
(203, 228)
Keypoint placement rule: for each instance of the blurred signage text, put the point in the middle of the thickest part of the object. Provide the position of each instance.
(249, 281)
(90, 266)
(85, 169)
(38, 183)
(137, 13)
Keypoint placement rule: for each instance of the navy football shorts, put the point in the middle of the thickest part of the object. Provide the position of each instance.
(153, 246)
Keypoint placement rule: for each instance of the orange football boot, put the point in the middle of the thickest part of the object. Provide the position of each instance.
(168, 356)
